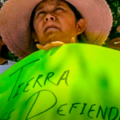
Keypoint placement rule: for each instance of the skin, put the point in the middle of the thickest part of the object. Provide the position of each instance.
(114, 43)
(55, 24)
(118, 29)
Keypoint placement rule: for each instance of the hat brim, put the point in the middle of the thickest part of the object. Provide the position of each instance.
(15, 23)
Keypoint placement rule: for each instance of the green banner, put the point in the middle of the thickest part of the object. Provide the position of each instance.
(71, 82)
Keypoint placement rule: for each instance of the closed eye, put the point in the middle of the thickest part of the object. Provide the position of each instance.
(59, 9)
(41, 12)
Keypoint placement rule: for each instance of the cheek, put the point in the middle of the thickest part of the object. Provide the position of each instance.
(37, 26)
(68, 21)
(69, 24)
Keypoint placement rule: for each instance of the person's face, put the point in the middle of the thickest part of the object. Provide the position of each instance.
(54, 21)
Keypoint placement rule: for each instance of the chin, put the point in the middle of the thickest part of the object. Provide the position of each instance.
(52, 37)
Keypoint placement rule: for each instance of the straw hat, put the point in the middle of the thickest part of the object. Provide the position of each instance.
(15, 23)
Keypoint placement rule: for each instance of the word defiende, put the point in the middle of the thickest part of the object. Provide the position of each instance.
(91, 111)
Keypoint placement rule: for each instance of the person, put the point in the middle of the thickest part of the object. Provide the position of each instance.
(29, 25)
(5, 63)
(115, 42)
(118, 29)
(3, 53)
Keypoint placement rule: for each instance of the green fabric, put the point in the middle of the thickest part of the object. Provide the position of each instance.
(71, 82)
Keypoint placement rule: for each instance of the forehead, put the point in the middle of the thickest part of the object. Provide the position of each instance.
(42, 4)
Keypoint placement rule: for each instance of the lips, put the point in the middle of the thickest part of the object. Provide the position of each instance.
(51, 27)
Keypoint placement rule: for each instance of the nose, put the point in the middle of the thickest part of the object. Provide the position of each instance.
(49, 17)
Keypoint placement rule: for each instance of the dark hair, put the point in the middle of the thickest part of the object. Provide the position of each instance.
(78, 16)
(4, 52)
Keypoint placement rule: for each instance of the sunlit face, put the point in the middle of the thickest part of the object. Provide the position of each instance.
(54, 21)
